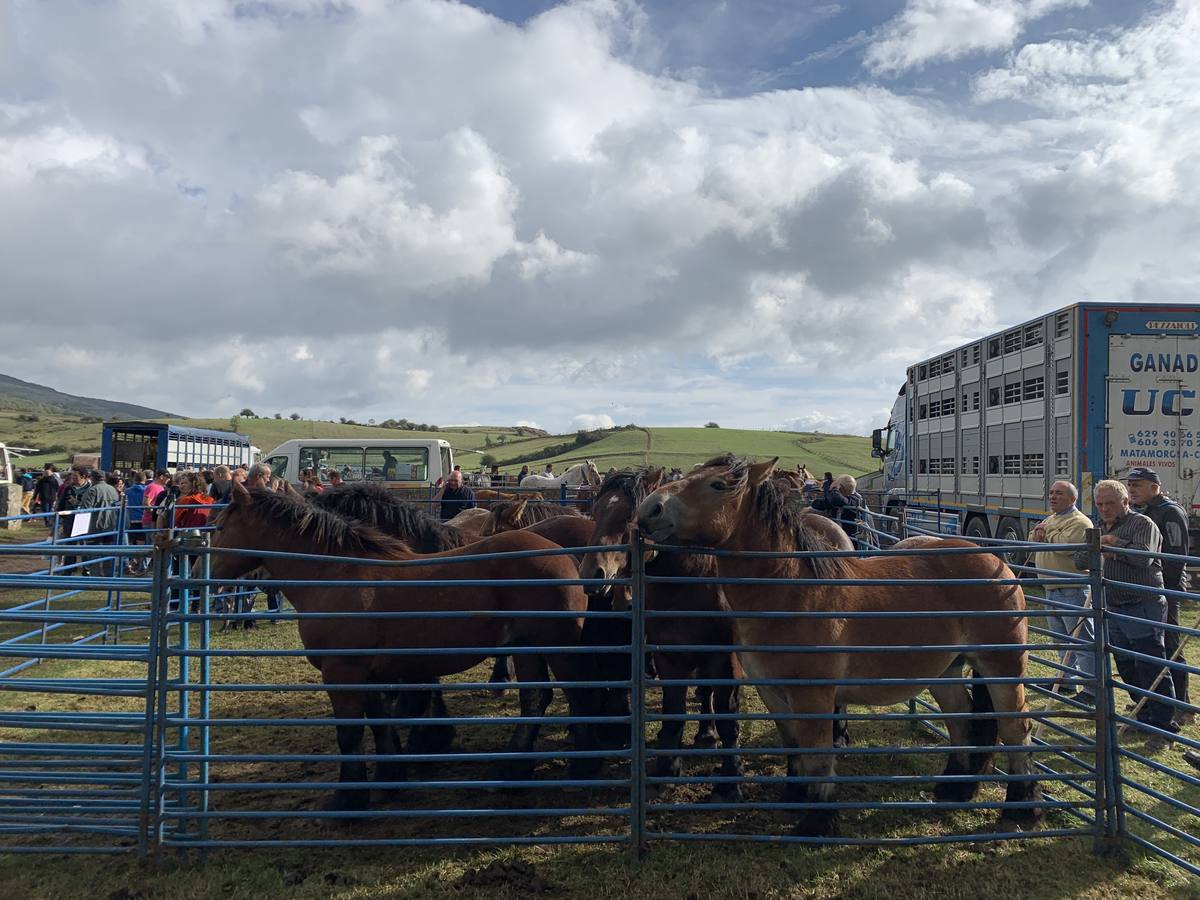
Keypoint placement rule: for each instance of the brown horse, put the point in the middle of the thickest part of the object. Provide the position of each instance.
(511, 515)
(266, 521)
(571, 530)
(616, 505)
(733, 505)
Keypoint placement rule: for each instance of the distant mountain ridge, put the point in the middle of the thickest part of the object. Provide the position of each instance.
(15, 392)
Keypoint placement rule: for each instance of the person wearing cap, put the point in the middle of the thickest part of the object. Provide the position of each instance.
(1066, 525)
(1147, 497)
(1137, 627)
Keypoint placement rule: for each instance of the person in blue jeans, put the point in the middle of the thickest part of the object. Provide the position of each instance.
(1066, 525)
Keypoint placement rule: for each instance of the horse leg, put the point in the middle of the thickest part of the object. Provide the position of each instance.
(431, 738)
(382, 705)
(670, 735)
(349, 705)
(707, 733)
(534, 702)
(581, 702)
(727, 701)
(812, 734)
(502, 673)
(1013, 732)
(956, 698)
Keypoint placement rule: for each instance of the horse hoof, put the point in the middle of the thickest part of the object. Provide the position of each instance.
(817, 823)
(431, 738)
(613, 737)
(584, 769)
(955, 791)
(515, 770)
(725, 793)
(704, 740)
(348, 802)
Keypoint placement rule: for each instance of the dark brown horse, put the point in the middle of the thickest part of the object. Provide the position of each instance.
(373, 504)
(733, 505)
(266, 521)
(571, 530)
(615, 513)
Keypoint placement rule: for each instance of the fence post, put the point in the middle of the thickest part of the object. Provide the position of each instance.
(637, 688)
(147, 799)
(1110, 817)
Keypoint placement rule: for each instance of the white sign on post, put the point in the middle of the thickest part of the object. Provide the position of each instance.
(81, 523)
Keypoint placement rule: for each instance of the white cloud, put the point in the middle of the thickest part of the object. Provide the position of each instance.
(931, 30)
(591, 421)
(454, 218)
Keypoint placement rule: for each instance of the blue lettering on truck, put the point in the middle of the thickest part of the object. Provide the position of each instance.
(1172, 402)
(1164, 362)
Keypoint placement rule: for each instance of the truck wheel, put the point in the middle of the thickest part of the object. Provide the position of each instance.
(1012, 530)
(977, 528)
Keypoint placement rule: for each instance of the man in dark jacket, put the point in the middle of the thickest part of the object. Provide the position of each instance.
(841, 502)
(1147, 497)
(46, 491)
(455, 496)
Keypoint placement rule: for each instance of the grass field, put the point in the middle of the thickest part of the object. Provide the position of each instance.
(682, 447)
(1026, 868)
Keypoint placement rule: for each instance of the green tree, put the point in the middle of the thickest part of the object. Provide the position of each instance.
(295, 417)
(711, 425)
(248, 413)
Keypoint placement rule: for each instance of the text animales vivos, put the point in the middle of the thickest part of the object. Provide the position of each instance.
(731, 504)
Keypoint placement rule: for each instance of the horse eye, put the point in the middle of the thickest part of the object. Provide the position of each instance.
(718, 485)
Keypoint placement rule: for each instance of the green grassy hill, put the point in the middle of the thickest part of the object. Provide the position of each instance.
(59, 436)
(684, 447)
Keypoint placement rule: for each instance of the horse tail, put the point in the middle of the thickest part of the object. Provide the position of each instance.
(984, 731)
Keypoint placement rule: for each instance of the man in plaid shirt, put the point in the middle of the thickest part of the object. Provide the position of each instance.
(1123, 529)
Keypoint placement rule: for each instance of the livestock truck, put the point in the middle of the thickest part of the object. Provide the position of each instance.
(977, 434)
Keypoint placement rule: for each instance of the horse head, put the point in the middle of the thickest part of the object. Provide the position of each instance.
(705, 506)
(236, 528)
(615, 512)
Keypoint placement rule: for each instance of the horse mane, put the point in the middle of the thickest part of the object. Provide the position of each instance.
(378, 507)
(332, 532)
(534, 511)
(779, 509)
(629, 482)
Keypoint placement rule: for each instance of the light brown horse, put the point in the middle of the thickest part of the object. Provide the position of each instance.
(511, 515)
(731, 504)
(267, 521)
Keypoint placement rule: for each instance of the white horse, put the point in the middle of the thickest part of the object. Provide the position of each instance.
(579, 474)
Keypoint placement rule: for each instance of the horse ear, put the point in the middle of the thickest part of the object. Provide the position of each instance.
(760, 472)
(652, 479)
(239, 495)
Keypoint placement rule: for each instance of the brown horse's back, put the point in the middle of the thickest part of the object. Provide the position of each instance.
(482, 632)
(566, 531)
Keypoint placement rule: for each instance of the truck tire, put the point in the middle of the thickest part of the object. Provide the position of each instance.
(976, 528)
(1010, 529)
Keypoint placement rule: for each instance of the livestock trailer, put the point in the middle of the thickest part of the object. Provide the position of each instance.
(155, 445)
(977, 434)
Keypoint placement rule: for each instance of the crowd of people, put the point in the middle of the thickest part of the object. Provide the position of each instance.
(1137, 516)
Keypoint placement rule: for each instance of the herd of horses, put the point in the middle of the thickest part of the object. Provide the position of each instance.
(792, 626)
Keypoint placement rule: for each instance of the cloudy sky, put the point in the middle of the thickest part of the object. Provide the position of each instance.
(665, 212)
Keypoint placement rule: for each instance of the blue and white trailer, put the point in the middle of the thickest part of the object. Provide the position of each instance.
(126, 446)
(978, 434)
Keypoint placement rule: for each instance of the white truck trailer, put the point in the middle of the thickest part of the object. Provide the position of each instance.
(978, 434)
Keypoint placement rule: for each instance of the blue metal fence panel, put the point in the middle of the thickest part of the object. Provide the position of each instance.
(181, 736)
